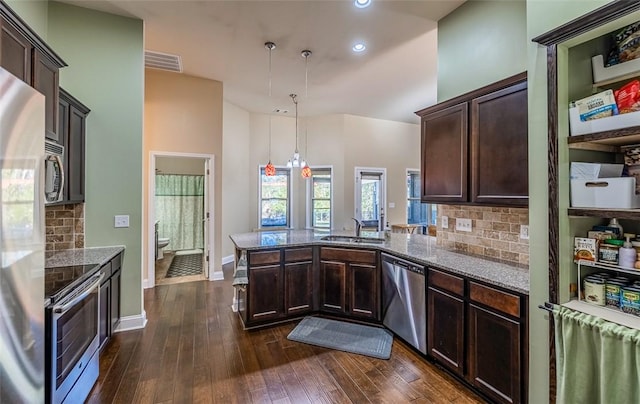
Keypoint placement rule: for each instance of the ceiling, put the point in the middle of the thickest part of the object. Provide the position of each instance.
(224, 40)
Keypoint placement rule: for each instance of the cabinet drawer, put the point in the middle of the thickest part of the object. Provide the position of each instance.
(447, 282)
(264, 257)
(106, 270)
(116, 263)
(344, 254)
(298, 254)
(496, 299)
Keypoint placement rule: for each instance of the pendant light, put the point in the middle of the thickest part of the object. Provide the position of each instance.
(295, 160)
(269, 169)
(306, 170)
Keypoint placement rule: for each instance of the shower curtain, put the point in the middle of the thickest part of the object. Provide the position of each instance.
(597, 361)
(180, 210)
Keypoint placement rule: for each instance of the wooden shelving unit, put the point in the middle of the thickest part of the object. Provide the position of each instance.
(609, 141)
(631, 214)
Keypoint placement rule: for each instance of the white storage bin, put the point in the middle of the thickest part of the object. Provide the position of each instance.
(621, 121)
(611, 193)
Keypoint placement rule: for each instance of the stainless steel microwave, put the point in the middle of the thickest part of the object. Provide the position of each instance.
(53, 172)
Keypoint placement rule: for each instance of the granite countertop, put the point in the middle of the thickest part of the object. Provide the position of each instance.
(81, 256)
(415, 247)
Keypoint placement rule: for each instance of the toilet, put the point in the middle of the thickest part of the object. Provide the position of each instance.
(162, 243)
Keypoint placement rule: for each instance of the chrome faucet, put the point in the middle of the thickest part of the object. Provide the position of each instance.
(358, 226)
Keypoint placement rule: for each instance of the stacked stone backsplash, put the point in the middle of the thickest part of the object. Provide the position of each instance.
(495, 232)
(64, 226)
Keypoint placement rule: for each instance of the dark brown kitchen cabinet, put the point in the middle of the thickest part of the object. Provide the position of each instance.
(497, 347)
(16, 50)
(349, 283)
(45, 80)
(499, 128)
(265, 293)
(72, 129)
(446, 320)
(298, 278)
(474, 147)
(333, 287)
(28, 57)
(109, 309)
(444, 174)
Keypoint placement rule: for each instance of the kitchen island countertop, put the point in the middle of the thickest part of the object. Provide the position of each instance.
(419, 248)
(81, 256)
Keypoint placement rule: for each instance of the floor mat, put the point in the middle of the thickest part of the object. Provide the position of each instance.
(183, 265)
(343, 336)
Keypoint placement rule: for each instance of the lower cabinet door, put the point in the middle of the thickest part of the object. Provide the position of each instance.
(333, 281)
(115, 300)
(104, 321)
(298, 279)
(265, 293)
(494, 355)
(445, 340)
(363, 291)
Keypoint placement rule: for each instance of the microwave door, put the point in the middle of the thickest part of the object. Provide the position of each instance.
(54, 179)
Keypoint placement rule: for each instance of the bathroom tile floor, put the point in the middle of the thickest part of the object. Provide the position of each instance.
(162, 265)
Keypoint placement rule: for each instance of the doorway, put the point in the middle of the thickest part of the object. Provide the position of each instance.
(180, 228)
(370, 197)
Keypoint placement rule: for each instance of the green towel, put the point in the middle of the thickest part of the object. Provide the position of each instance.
(597, 361)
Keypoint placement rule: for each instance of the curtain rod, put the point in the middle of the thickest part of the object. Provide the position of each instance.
(547, 306)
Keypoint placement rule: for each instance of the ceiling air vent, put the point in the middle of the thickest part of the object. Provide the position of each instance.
(162, 61)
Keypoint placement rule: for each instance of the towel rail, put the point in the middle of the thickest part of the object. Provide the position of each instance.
(547, 306)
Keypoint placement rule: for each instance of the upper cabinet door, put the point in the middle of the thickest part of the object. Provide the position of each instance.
(499, 151)
(444, 155)
(15, 52)
(45, 80)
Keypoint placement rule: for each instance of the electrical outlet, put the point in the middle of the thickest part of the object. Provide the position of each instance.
(445, 222)
(464, 225)
(392, 205)
(524, 232)
(121, 221)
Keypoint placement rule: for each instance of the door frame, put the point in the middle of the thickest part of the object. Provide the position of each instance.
(151, 213)
(357, 197)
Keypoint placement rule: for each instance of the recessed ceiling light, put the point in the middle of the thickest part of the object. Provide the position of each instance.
(362, 3)
(359, 47)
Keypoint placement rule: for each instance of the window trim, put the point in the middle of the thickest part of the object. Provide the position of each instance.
(357, 197)
(309, 199)
(289, 224)
(410, 171)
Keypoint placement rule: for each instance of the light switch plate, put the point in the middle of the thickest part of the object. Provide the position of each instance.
(445, 222)
(121, 221)
(392, 205)
(464, 225)
(524, 232)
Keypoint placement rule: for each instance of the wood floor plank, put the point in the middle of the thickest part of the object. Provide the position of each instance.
(194, 350)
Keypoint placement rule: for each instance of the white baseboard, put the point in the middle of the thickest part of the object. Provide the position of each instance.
(228, 259)
(145, 284)
(217, 276)
(132, 322)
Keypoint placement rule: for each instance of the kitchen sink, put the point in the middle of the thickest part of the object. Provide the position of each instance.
(354, 239)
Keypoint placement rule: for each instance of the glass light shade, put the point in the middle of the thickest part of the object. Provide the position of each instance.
(303, 163)
(269, 170)
(296, 159)
(306, 172)
(289, 164)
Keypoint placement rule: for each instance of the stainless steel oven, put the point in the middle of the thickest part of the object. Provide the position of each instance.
(72, 337)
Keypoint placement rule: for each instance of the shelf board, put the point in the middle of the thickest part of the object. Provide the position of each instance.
(609, 267)
(606, 141)
(633, 214)
(604, 312)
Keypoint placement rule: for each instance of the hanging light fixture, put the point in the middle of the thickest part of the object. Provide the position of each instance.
(306, 170)
(295, 160)
(269, 169)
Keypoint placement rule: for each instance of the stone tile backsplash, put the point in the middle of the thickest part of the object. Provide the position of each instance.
(495, 232)
(64, 226)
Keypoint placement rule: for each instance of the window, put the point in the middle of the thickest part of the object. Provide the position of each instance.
(418, 212)
(370, 195)
(319, 199)
(275, 198)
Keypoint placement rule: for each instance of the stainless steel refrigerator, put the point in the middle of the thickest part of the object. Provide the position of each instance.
(22, 325)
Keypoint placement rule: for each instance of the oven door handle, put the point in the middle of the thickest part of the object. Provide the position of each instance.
(87, 290)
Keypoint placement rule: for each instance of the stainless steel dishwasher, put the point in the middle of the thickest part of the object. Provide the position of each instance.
(404, 309)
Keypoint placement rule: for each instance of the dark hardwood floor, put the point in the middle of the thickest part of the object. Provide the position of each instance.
(193, 350)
